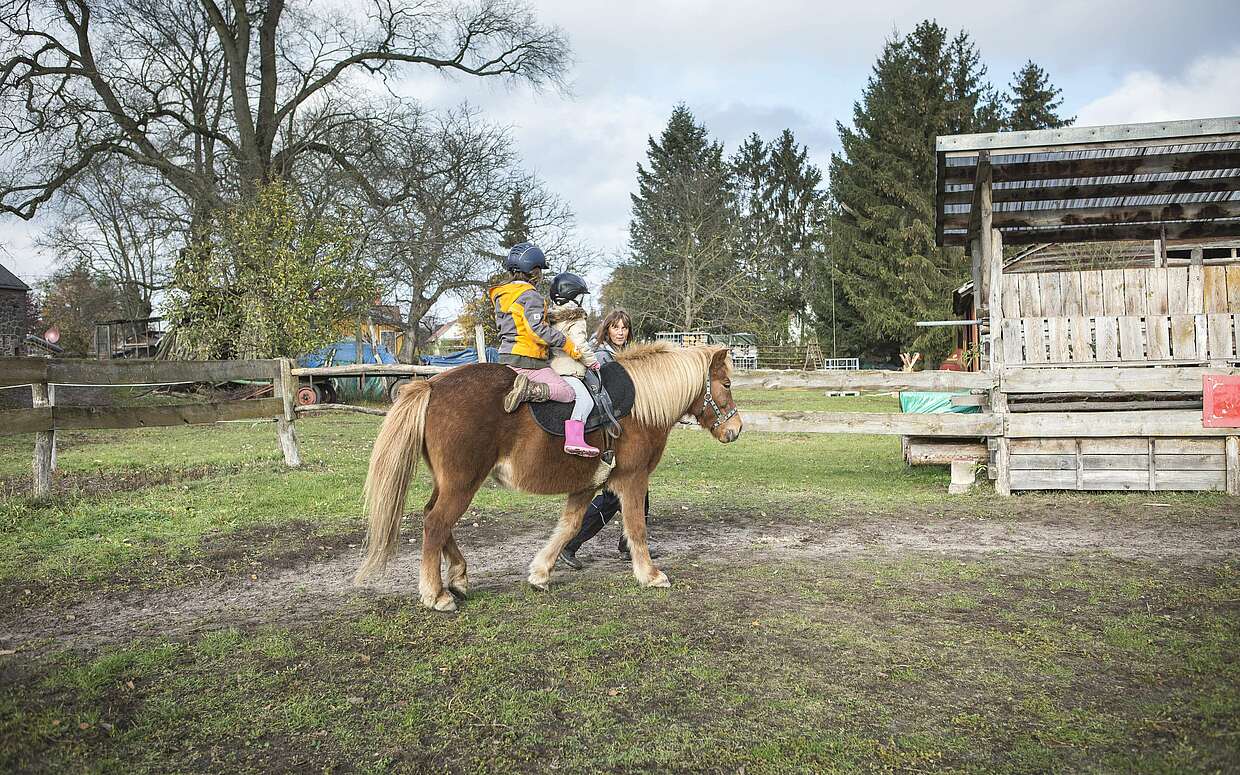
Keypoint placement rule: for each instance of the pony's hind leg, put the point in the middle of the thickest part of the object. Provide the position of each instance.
(458, 580)
(436, 535)
(569, 524)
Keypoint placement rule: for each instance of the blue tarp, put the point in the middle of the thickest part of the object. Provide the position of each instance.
(459, 358)
(934, 403)
(344, 353)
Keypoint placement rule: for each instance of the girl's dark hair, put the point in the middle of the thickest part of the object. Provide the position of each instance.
(616, 315)
(522, 277)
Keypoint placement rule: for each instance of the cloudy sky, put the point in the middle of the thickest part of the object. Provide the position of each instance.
(743, 66)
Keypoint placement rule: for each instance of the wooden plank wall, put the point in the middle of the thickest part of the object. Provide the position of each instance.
(1175, 290)
(1119, 463)
(1184, 314)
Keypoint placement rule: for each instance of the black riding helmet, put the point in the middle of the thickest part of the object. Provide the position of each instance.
(566, 287)
(525, 257)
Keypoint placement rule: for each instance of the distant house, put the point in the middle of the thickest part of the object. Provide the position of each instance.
(450, 332)
(13, 322)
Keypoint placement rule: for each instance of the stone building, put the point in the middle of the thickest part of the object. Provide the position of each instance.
(13, 323)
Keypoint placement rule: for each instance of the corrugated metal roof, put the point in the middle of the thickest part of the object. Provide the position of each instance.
(1080, 206)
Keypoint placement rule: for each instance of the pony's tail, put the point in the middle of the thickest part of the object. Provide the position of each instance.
(393, 463)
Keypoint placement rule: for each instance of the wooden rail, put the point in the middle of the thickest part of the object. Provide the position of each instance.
(1045, 429)
(865, 380)
(45, 419)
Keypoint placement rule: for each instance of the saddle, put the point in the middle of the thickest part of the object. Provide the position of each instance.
(612, 390)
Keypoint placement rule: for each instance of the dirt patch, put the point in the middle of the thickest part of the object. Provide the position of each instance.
(289, 574)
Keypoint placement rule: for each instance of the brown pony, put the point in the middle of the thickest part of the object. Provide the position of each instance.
(457, 423)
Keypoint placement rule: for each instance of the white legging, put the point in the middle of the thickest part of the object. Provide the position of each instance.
(583, 402)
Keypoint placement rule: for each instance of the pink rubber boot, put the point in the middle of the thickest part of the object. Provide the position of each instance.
(575, 439)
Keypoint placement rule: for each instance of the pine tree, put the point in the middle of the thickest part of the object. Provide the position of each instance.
(516, 221)
(793, 201)
(682, 271)
(882, 255)
(1033, 101)
(751, 172)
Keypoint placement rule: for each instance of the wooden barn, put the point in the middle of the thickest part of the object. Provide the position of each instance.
(1106, 286)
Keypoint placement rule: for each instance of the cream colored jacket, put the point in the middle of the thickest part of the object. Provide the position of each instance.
(570, 320)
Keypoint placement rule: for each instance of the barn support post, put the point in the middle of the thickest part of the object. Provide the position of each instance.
(480, 343)
(286, 431)
(998, 398)
(44, 445)
(1233, 465)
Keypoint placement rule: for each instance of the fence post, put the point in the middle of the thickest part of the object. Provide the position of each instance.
(44, 445)
(286, 431)
(480, 343)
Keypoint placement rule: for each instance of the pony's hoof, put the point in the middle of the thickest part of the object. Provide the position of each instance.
(461, 590)
(444, 602)
(659, 581)
(541, 583)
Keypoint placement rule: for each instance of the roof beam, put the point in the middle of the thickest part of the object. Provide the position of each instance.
(1114, 136)
(1189, 161)
(1097, 190)
(1183, 230)
(1100, 216)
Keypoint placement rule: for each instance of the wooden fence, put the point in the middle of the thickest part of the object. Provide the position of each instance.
(1043, 449)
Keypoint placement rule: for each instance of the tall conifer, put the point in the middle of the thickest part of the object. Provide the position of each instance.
(1034, 101)
(883, 257)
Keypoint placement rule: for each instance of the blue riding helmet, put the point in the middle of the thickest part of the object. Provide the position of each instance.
(525, 257)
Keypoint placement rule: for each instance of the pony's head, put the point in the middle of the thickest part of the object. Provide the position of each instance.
(714, 409)
(671, 382)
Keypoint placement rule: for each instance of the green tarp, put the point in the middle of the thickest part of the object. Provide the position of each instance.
(934, 403)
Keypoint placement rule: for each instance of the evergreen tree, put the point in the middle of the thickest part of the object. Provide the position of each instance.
(516, 221)
(683, 271)
(793, 203)
(751, 172)
(973, 104)
(1034, 101)
(882, 255)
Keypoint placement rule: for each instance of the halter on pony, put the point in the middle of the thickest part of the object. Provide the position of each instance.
(709, 400)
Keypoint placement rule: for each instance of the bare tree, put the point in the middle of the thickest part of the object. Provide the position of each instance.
(441, 237)
(217, 99)
(121, 223)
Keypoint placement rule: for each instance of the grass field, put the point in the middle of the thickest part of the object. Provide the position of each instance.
(182, 605)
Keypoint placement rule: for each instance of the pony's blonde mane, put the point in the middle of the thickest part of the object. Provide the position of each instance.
(666, 379)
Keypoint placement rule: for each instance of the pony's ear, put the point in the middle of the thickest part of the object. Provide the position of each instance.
(719, 358)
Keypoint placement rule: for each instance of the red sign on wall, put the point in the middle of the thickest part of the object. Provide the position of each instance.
(1220, 406)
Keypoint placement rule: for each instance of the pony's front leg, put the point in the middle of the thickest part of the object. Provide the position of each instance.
(569, 524)
(633, 506)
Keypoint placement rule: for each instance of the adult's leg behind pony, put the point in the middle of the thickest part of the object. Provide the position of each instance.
(569, 524)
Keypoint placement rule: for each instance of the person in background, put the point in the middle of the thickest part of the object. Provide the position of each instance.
(525, 337)
(611, 337)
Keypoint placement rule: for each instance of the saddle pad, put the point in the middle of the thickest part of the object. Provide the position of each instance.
(552, 414)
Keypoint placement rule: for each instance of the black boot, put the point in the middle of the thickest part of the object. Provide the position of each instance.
(591, 523)
(568, 556)
(623, 548)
